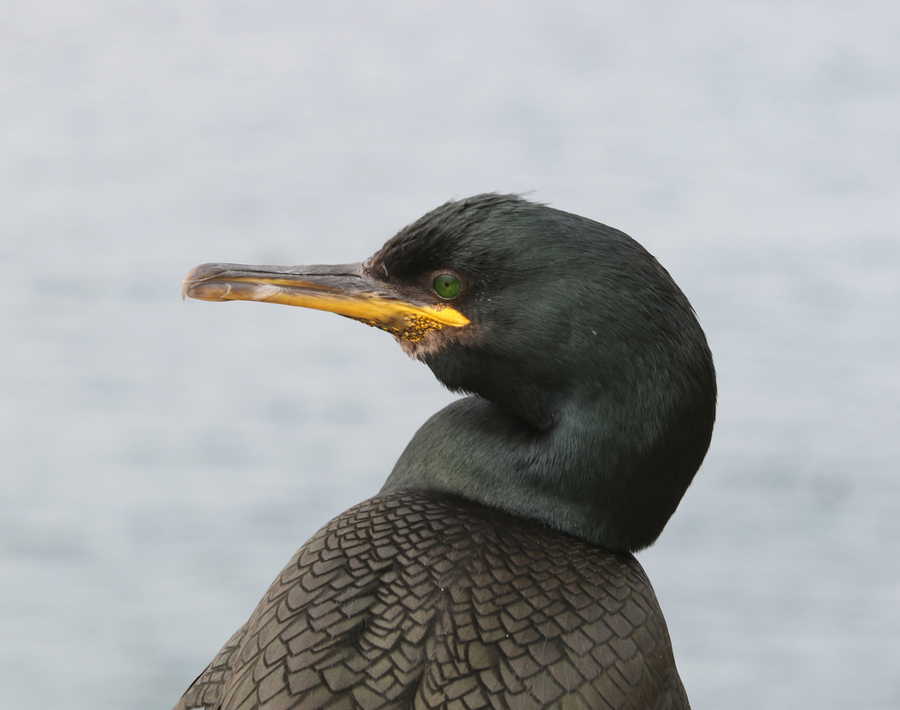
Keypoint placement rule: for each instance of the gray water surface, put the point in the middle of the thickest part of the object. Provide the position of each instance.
(160, 461)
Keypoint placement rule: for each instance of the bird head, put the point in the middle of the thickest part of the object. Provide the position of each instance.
(565, 325)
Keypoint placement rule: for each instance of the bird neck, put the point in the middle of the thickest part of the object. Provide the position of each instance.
(578, 476)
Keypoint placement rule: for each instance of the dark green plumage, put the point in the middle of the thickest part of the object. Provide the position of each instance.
(596, 390)
(485, 574)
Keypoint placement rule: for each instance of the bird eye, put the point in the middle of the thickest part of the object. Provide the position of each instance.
(447, 286)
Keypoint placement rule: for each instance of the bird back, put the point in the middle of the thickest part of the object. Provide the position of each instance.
(417, 600)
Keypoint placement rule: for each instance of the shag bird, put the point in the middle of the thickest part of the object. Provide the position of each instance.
(494, 568)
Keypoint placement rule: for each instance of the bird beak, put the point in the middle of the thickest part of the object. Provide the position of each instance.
(345, 289)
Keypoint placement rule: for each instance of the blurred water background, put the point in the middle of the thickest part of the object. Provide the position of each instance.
(160, 461)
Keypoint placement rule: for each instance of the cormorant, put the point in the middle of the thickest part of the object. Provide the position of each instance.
(493, 569)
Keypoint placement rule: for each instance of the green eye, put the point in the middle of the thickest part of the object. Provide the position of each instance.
(447, 286)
